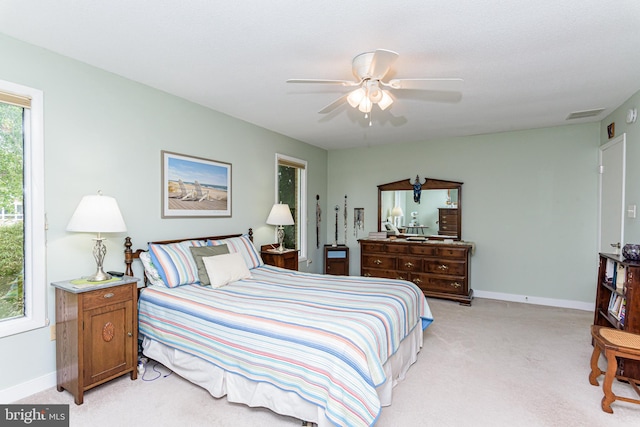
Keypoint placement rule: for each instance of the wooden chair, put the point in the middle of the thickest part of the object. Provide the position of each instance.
(613, 343)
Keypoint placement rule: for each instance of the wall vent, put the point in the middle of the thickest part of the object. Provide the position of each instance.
(584, 113)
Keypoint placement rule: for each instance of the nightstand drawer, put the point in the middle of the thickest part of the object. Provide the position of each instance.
(102, 297)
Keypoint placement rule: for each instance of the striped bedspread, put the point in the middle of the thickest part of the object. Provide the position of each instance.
(322, 337)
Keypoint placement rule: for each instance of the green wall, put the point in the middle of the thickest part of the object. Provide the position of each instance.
(529, 204)
(103, 132)
(529, 198)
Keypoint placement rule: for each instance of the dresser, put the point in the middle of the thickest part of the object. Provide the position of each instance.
(96, 333)
(448, 221)
(440, 269)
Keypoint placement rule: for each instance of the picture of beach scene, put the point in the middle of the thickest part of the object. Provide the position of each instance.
(194, 186)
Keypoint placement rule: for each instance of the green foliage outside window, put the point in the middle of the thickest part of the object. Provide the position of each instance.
(288, 193)
(11, 230)
(11, 270)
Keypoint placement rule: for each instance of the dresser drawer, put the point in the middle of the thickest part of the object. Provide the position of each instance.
(372, 247)
(378, 261)
(386, 274)
(452, 285)
(423, 250)
(446, 267)
(451, 252)
(396, 249)
(406, 263)
(102, 297)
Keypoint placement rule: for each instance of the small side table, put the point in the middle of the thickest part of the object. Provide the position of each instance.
(285, 259)
(96, 333)
(336, 260)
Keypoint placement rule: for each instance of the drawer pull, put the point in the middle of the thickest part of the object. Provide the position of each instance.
(443, 267)
(129, 334)
(409, 264)
(377, 262)
(417, 281)
(456, 285)
(367, 274)
(109, 295)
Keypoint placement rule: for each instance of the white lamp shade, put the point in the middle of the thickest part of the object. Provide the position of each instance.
(365, 105)
(397, 211)
(386, 100)
(97, 214)
(280, 215)
(355, 97)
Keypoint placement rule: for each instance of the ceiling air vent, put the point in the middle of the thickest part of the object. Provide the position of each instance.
(585, 113)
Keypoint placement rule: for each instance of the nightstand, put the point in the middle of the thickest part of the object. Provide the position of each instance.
(336, 260)
(96, 333)
(285, 259)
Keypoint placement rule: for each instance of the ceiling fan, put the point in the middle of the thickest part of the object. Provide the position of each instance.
(370, 68)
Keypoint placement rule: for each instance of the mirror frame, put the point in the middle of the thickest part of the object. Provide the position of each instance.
(429, 184)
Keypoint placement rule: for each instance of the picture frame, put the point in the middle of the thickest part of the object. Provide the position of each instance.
(195, 187)
(611, 130)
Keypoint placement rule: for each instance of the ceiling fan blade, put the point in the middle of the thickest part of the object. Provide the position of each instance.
(381, 62)
(323, 81)
(453, 84)
(335, 104)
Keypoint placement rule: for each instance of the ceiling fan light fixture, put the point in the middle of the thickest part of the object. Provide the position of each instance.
(375, 93)
(385, 101)
(365, 105)
(356, 97)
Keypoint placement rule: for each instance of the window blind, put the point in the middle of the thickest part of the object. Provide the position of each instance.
(18, 100)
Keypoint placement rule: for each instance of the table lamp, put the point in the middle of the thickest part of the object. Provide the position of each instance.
(280, 215)
(97, 214)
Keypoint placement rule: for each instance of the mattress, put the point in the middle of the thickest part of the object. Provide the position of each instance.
(334, 343)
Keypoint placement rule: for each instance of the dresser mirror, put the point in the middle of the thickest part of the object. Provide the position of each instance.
(437, 216)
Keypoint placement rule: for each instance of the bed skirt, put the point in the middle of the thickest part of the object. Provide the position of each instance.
(239, 389)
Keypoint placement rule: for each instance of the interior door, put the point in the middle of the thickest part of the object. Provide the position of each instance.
(612, 183)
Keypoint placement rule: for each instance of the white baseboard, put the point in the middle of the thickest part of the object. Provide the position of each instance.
(564, 303)
(26, 389)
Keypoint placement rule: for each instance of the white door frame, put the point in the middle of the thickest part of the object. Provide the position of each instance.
(618, 140)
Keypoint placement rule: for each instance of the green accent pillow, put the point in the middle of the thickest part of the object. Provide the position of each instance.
(205, 251)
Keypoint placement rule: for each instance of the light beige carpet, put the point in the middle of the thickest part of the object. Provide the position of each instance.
(492, 364)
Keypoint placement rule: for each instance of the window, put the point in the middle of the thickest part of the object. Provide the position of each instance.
(22, 236)
(291, 188)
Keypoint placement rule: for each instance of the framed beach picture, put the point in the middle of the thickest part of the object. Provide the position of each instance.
(195, 187)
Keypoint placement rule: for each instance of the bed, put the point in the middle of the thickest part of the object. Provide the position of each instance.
(323, 349)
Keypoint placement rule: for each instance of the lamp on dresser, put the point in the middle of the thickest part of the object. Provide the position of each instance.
(280, 216)
(97, 214)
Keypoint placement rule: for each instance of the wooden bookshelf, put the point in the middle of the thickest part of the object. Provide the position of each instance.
(615, 270)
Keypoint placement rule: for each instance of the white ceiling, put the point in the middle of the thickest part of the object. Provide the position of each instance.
(525, 63)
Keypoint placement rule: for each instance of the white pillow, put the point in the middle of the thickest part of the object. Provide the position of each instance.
(150, 270)
(226, 268)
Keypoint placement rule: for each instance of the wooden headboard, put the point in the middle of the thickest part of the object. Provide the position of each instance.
(131, 255)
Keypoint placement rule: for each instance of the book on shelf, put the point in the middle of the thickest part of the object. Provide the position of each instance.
(617, 306)
(609, 272)
(620, 277)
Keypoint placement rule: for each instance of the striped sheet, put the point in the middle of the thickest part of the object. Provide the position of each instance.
(325, 338)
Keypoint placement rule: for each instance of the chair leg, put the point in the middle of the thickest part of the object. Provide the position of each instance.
(609, 397)
(595, 370)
